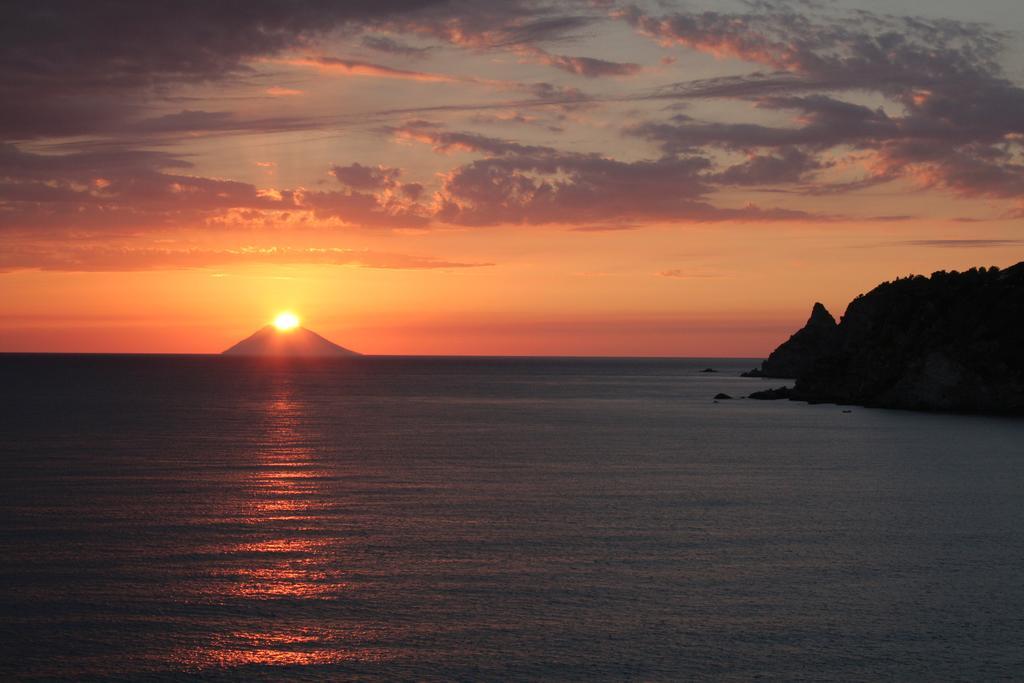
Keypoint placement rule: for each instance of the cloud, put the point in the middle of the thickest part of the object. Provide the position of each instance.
(107, 42)
(493, 25)
(542, 95)
(450, 141)
(789, 165)
(361, 177)
(519, 26)
(373, 196)
(95, 258)
(690, 274)
(386, 209)
(509, 183)
(590, 67)
(860, 50)
(604, 228)
(532, 184)
(552, 123)
(198, 121)
(116, 189)
(960, 120)
(68, 68)
(391, 46)
(357, 68)
(963, 243)
(72, 68)
(127, 190)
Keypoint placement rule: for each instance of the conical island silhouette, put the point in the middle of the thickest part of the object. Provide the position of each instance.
(296, 342)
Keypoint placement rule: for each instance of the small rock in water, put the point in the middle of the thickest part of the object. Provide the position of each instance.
(772, 394)
(723, 397)
(709, 370)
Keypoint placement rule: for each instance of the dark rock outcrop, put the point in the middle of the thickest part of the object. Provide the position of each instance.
(950, 342)
(723, 397)
(796, 356)
(772, 394)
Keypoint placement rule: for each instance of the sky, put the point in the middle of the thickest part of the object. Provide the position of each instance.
(546, 177)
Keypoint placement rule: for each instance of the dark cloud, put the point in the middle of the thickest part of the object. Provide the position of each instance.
(826, 122)
(607, 227)
(134, 190)
(373, 196)
(528, 184)
(119, 43)
(450, 141)
(360, 177)
(490, 25)
(77, 68)
(108, 190)
(29, 113)
(891, 218)
(788, 166)
(545, 96)
(859, 51)
(198, 121)
(960, 124)
(119, 191)
(394, 47)
(589, 67)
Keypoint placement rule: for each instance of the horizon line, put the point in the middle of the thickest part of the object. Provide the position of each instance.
(373, 355)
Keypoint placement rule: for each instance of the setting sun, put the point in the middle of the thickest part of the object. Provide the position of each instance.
(286, 322)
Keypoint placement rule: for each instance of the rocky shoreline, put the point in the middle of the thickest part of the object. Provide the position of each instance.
(950, 342)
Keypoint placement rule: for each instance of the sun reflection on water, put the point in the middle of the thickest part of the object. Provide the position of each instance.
(297, 647)
(282, 554)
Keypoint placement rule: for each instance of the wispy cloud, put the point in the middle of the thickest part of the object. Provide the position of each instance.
(963, 243)
(107, 259)
(962, 125)
(689, 274)
(351, 67)
(389, 45)
(277, 91)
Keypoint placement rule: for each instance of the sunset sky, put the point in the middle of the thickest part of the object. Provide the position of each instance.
(479, 177)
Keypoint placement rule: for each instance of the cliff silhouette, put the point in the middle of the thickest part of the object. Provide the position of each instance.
(795, 357)
(950, 342)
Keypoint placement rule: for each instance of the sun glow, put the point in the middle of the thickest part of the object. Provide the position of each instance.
(286, 322)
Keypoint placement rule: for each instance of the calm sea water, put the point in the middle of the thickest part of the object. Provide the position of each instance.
(483, 519)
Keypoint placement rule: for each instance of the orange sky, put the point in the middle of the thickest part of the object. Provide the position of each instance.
(552, 178)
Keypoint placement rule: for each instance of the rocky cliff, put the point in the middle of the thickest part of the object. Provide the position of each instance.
(953, 341)
(795, 357)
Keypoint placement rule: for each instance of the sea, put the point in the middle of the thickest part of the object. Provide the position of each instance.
(494, 519)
